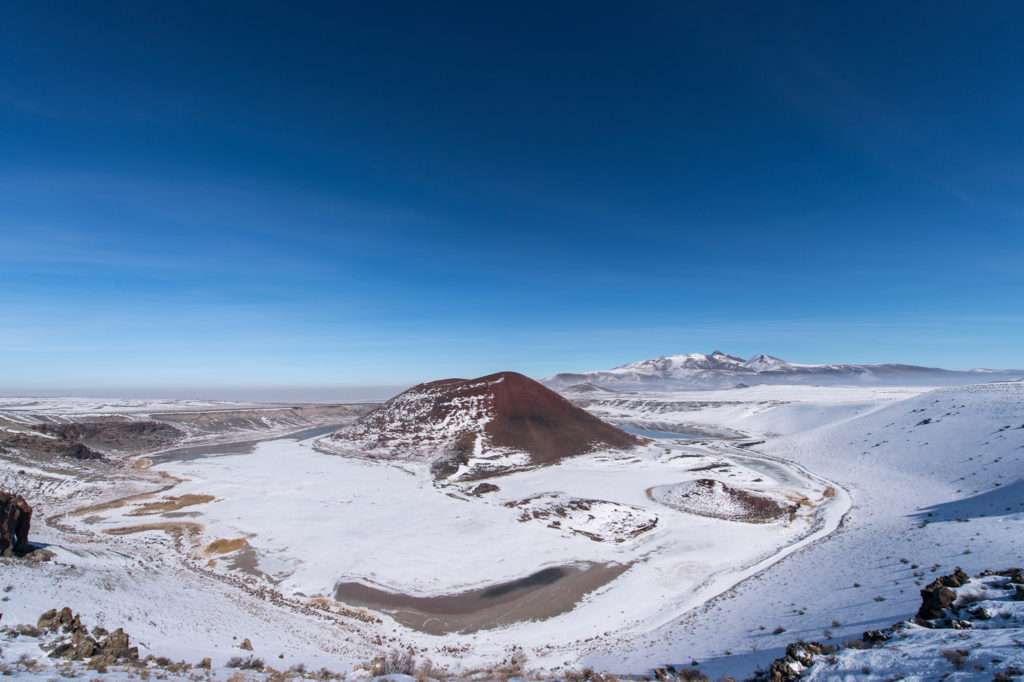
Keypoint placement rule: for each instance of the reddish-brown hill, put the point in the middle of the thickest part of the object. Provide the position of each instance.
(476, 418)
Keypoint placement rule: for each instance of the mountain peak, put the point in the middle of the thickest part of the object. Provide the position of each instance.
(722, 370)
(762, 363)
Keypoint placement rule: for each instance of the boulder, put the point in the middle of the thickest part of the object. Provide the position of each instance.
(935, 599)
(116, 646)
(938, 595)
(799, 656)
(877, 636)
(483, 489)
(15, 519)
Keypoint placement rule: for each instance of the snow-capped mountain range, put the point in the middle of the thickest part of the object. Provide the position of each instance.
(720, 370)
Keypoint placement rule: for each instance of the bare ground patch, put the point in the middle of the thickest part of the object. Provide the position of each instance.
(171, 504)
(226, 545)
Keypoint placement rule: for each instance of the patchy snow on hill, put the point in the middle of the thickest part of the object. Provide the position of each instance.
(979, 637)
(599, 520)
(935, 481)
(471, 428)
(708, 497)
(721, 370)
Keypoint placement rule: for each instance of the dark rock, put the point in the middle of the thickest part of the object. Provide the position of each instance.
(48, 446)
(28, 631)
(110, 436)
(117, 646)
(83, 646)
(483, 489)
(49, 620)
(100, 648)
(15, 520)
(937, 596)
(799, 656)
(877, 636)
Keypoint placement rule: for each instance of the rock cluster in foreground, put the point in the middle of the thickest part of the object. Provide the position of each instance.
(972, 626)
(100, 648)
(15, 520)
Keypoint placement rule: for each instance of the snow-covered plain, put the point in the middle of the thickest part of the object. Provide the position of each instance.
(933, 478)
(315, 520)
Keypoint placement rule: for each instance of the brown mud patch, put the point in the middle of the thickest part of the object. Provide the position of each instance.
(171, 504)
(226, 545)
(175, 528)
(124, 501)
(545, 594)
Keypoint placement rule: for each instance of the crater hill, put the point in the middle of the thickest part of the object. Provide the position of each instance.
(474, 428)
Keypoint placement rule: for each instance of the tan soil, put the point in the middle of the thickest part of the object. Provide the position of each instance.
(175, 528)
(226, 545)
(123, 501)
(170, 504)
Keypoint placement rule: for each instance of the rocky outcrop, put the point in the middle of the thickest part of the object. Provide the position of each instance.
(114, 436)
(38, 445)
(799, 656)
(938, 595)
(942, 608)
(15, 520)
(99, 647)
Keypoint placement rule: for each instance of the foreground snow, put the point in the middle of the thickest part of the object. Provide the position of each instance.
(980, 638)
(314, 520)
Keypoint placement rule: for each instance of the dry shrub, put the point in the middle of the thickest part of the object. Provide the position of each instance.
(956, 657)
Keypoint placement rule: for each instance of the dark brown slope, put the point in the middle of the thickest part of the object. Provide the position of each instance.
(505, 410)
(529, 416)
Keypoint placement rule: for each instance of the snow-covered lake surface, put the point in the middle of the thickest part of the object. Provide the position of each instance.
(314, 520)
(926, 480)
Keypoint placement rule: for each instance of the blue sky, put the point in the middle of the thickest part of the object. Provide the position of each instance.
(254, 194)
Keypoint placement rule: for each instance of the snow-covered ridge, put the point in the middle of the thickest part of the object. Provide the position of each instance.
(722, 370)
(967, 628)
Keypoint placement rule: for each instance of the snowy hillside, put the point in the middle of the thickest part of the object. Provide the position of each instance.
(721, 370)
(978, 636)
(936, 482)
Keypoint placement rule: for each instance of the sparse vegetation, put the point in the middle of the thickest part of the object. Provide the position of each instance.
(956, 657)
(248, 663)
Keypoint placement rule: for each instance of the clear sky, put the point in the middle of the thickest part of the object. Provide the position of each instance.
(294, 194)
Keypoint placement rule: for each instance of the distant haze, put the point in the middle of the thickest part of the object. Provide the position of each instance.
(273, 394)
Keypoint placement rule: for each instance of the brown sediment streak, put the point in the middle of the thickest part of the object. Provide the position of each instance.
(170, 504)
(541, 595)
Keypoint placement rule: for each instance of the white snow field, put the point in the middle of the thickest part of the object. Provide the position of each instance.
(936, 483)
(315, 520)
(888, 487)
